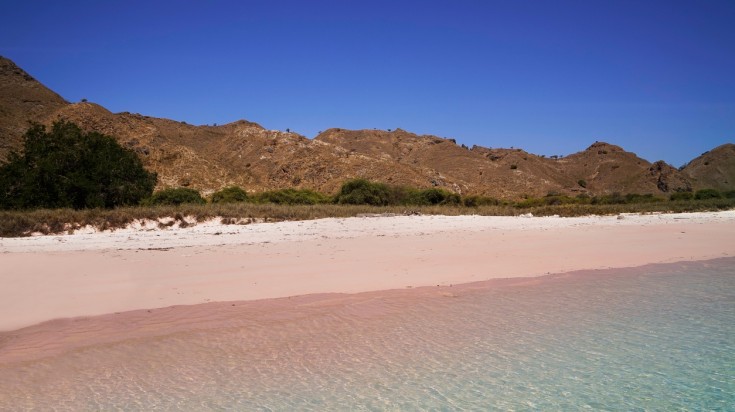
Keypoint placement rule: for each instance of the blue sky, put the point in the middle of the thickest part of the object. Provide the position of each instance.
(552, 77)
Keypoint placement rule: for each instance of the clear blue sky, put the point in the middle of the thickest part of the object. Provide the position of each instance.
(656, 77)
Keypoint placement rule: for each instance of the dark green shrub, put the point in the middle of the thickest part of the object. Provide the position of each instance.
(401, 195)
(681, 196)
(555, 199)
(707, 194)
(364, 192)
(513, 167)
(434, 197)
(618, 199)
(476, 201)
(175, 197)
(730, 194)
(292, 197)
(582, 182)
(68, 168)
(230, 194)
(452, 199)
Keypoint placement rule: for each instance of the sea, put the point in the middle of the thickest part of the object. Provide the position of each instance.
(654, 338)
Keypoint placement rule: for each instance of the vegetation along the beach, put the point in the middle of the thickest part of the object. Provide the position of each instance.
(66, 179)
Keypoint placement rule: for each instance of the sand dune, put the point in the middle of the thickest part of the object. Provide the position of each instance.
(85, 274)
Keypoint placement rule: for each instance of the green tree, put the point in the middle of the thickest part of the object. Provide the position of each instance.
(68, 168)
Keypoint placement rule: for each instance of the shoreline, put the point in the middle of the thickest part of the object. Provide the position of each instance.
(60, 336)
(91, 274)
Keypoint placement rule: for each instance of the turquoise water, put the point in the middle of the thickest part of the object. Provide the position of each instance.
(656, 338)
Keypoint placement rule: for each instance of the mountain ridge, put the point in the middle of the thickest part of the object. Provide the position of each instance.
(244, 153)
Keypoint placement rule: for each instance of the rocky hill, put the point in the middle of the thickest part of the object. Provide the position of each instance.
(245, 154)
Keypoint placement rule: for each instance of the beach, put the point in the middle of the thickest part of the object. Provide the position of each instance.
(384, 312)
(143, 267)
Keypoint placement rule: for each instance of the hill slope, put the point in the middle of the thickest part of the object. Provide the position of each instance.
(714, 169)
(245, 154)
(22, 99)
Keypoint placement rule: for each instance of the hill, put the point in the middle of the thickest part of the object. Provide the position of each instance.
(22, 99)
(246, 154)
(713, 169)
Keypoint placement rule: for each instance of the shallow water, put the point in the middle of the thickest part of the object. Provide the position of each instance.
(654, 338)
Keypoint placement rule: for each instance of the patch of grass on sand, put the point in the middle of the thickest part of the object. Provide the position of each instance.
(56, 221)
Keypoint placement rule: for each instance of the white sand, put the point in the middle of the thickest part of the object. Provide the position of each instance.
(49, 277)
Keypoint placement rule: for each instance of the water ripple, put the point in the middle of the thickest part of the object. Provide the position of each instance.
(663, 340)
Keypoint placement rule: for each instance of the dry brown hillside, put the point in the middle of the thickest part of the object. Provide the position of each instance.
(714, 169)
(22, 99)
(240, 153)
(607, 168)
(504, 173)
(245, 154)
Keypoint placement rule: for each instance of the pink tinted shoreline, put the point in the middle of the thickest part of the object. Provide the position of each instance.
(92, 274)
(61, 336)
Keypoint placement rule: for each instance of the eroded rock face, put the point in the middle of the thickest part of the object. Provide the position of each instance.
(243, 153)
(668, 178)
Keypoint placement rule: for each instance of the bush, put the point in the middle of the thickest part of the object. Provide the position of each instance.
(730, 194)
(681, 196)
(364, 192)
(477, 201)
(631, 198)
(175, 197)
(401, 195)
(293, 197)
(434, 197)
(68, 168)
(618, 199)
(707, 194)
(230, 194)
(582, 182)
(530, 202)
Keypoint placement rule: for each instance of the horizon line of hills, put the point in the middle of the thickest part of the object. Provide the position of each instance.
(245, 154)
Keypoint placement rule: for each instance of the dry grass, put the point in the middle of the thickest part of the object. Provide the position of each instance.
(26, 223)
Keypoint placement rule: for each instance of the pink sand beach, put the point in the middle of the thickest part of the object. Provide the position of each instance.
(95, 286)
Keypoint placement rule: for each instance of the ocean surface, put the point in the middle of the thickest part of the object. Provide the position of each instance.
(658, 338)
